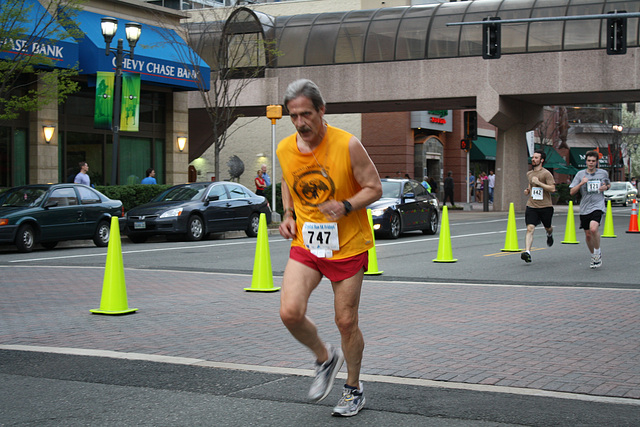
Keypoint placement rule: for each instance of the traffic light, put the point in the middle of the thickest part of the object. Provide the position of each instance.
(617, 35)
(465, 144)
(470, 125)
(491, 38)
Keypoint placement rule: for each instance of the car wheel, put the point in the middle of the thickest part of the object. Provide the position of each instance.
(394, 226)
(103, 232)
(195, 228)
(137, 238)
(26, 238)
(254, 225)
(432, 226)
(625, 203)
(49, 245)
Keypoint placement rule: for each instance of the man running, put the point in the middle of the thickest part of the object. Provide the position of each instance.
(539, 207)
(328, 181)
(591, 183)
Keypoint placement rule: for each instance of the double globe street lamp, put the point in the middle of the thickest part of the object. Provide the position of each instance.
(133, 30)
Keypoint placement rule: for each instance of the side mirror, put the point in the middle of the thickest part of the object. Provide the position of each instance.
(50, 204)
(409, 196)
(213, 198)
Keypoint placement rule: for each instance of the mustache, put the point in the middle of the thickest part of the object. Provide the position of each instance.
(303, 129)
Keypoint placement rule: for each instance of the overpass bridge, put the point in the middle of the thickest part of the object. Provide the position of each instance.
(508, 92)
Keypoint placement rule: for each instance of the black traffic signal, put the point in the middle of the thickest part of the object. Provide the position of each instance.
(617, 35)
(491, 38)
(470, 125)
(465, 144)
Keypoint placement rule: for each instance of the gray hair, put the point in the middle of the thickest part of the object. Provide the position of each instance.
(306, 88)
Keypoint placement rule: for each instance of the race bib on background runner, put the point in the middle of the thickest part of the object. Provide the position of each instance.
(593, 186)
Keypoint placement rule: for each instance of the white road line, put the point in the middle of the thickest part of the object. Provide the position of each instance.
(308, 372)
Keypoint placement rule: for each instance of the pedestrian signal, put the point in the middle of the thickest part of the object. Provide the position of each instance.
(465, 144)
(491, 38)
(616, 35)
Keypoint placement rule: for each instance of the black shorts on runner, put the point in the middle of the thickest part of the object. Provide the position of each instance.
(536, 216)
(585, 220)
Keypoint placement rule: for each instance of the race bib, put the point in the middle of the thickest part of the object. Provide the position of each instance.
(537, 193)
(593, 186)
(321, 238)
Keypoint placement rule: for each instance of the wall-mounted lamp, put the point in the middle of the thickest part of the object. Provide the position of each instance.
(182, 142)
(48, 133)
(260, 155)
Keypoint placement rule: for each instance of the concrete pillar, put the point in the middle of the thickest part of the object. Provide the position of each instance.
(513, 119)
(43, 156)
(177, 163)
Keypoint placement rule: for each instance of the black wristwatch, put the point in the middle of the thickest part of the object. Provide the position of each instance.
(347, 207)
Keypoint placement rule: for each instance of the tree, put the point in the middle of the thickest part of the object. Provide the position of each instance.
(631, 139)
(232, 42)
(24, 27)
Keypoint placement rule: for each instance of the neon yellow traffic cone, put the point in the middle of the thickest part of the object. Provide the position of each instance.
(114, 288)
(262, 280)
(444, 244)
(570, 229)
(372, 270)
(608, 223)
(511, 240)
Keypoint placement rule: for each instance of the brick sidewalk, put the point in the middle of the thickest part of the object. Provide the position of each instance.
(559, 339)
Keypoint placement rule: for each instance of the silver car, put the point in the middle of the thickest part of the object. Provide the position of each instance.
(621, 192)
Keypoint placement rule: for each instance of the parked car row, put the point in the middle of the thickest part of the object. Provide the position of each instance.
(51, 213)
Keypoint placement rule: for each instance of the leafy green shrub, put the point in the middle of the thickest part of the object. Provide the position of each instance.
(563, 194)
(132, 195)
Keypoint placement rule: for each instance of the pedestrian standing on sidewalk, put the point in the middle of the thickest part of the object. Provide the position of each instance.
(328, 181)
(448, 189)
(492, 184)
(591, 183)
(539, 207)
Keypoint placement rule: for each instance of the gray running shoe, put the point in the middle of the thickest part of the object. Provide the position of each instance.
(325, 374)
(350, 403)
(526, 256)
(596, 261)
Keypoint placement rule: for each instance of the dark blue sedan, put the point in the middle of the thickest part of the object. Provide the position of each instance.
(194, 210)
(50, 213)
(405, 205)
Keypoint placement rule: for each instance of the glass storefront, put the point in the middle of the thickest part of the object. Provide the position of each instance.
(80, 142)
(14, 155)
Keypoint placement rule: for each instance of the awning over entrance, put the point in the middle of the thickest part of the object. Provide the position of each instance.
(41, 36)
(483, 148)
(161, 56)
(578, 158)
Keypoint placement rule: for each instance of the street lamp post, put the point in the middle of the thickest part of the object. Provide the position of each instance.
(133, 29)
(617, 131)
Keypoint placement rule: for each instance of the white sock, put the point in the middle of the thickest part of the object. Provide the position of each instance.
(596, 251)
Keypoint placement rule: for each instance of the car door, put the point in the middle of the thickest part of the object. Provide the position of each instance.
(91, 206)
(422, 205)
(63, 218)
(409, 207)
(217, 210)
(241, 206)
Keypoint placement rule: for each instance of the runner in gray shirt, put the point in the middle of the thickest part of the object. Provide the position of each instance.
(591, 183)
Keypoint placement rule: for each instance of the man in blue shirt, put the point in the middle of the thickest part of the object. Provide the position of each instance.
(82, 177)
(265, 175)
(150, 179)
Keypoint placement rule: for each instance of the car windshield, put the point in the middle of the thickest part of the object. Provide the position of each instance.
(618, 186)
(183, 193)
(391, 189)
(24, 197)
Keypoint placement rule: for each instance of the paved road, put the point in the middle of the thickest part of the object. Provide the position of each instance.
(201, 351)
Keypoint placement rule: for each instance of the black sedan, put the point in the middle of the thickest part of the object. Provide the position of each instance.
(405, 205)
(50, 213)
(194, 210)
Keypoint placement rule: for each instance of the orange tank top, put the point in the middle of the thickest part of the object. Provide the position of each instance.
(314, 180)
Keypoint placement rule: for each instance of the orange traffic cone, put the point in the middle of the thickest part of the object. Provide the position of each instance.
(633, 221)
